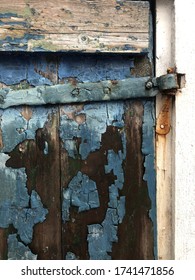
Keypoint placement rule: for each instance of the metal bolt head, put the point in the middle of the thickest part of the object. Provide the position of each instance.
(107, 90)
(149, 85)
(75, 92)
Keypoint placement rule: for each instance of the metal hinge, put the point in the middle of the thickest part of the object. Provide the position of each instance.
(76, 92)
(168, 85)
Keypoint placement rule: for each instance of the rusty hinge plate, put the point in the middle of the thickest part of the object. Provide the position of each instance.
(168, 85)
(163, 123)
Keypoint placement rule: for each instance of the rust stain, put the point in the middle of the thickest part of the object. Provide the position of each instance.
(163, 124)
(114, 82)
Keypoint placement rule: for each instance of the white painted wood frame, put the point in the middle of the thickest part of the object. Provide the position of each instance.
(175, 161)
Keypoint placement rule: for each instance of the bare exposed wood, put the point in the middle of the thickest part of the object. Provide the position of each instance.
(136, 232)
(3, 244)
(74, 25)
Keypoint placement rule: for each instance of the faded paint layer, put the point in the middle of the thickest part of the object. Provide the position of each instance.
(75, 25)
(96, 118)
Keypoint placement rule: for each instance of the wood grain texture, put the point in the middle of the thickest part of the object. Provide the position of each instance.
(74, 25)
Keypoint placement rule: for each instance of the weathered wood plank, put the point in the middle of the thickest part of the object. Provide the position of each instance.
(74, 92)
(89, 157)
(40, 157)
(74, 25)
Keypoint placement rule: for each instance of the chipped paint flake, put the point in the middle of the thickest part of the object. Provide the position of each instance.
(115, 165)
(16, 128)
(101, 237)
(70, 256)
(82, 193)
(97, 117)
(17, 250)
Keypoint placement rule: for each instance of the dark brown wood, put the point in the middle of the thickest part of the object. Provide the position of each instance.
(136, 231)
(3, 244)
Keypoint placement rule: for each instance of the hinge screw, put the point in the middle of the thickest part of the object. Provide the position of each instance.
(149, 85)
(107, 90)
(75, 92)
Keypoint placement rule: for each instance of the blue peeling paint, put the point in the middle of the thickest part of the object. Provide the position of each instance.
(84, 67)
(9, 15)
(121, 209)
(17, 207)
(20, 43)
(115, 165)
(97, 117)
(95, 68)
(70, 256)
(101, 237)
(82, 193)
(15, 128)
(17, 250)
(15, 69)
(149, 163)
(12, 70)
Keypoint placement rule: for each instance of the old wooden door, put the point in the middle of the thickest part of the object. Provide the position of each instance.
(77, 176)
